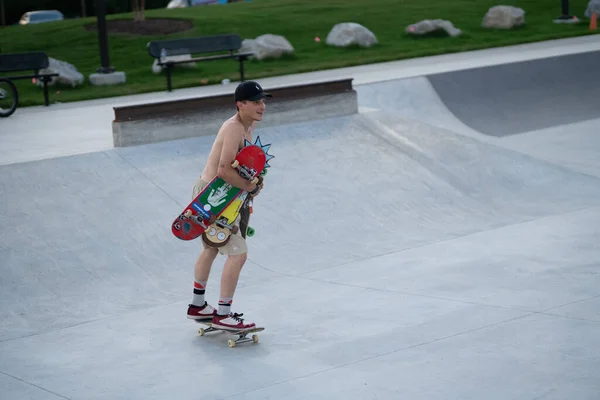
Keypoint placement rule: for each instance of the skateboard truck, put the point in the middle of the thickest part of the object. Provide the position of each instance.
(244, 172)
(242, 334)
(197, 219)
(222, 223)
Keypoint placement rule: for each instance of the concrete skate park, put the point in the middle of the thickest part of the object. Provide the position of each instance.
(432, 234)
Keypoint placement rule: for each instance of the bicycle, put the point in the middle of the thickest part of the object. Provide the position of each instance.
(9, 98)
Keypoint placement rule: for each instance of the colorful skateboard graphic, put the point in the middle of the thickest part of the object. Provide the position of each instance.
(220, 231)
(218, 195)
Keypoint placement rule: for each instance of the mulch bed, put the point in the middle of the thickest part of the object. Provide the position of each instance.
(148, 27)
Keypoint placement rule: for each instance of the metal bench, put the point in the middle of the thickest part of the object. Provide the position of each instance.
(230, 44)
(30, 61)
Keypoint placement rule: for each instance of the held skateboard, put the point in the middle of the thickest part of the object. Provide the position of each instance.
(218, 194)
(241, 333)
(219, 233)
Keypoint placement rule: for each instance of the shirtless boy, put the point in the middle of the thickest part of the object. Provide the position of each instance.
(249, 98)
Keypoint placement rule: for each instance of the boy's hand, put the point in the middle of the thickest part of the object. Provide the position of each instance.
(258, 187)
(251, 187)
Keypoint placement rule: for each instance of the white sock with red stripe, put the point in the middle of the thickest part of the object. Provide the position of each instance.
(199, 288)
(224, 306)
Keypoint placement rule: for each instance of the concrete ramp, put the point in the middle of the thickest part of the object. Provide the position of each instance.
(524, 96)
(413, 99)
(398, 253)
(377, 237)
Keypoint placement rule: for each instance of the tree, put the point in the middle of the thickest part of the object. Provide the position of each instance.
(137, 7)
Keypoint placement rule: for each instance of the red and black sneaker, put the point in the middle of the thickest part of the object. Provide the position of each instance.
(231, 322)
(204, 312)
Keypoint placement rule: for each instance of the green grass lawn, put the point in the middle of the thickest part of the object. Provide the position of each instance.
(299, 21)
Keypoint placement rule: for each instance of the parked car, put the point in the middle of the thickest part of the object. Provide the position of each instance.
(37, 17)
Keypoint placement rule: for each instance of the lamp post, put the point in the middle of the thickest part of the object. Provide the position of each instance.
(105, 75)
(103, 38)
(565, 18)
(565, 10)
(3, 19)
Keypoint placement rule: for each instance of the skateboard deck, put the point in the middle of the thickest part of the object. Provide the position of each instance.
(208, 205)
(219, 232)
(241, 333)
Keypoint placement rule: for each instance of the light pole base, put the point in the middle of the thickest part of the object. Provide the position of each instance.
(105, 70)
(108, 78)
(567, 19)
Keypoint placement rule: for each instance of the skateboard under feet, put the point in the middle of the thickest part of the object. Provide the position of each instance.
(241, 333)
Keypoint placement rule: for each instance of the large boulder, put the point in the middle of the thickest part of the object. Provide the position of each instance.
(267, 46)
(177, 4)
(593, 7)
(68, 74)
(350, 33)
(189, 3)
(179, 57)
(503, 17)
(433, 25)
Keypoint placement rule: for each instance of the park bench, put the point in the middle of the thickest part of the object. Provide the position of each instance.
(31, 61)
(226, 45)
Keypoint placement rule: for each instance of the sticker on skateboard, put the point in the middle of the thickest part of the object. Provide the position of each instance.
(219, 233)
(241, 333)
(218, 195)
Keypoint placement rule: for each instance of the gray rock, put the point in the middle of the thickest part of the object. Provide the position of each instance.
(68, 73)
(189, 3)
(177, 4)
(267, 46)
(503, 17)
(180, 57)
(350, 33)
(593, 7)
(431, 25)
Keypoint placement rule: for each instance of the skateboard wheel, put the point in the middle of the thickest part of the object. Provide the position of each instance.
(231, 343)
(235, 164)
(234, 230)
(201, 331)
(255, 338)
(187, 213)
(255, 180)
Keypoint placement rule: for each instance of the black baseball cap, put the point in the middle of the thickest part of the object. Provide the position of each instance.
(249, 90)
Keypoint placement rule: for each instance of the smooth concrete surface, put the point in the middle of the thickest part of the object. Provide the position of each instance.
(573, 145)
(413, 99)
(398, 254)
(207, 122)
(530, 95)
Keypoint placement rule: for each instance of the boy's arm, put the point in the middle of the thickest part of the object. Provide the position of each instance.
(231, 140)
